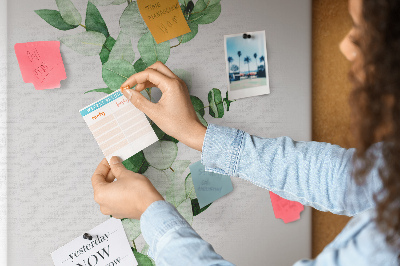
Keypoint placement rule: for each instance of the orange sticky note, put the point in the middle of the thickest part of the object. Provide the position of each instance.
(41, 63)
(164, 18)
(287, 210)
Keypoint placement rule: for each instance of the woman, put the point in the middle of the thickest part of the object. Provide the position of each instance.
(363, 183)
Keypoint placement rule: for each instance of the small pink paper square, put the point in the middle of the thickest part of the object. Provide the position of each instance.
(41, 63)
(287, 210)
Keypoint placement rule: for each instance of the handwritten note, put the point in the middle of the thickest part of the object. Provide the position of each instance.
(41, 64)
(164, 18)
(287, 210)
(109, 246)
(207, 185)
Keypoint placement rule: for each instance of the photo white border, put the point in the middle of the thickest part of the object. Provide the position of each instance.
(247, 92)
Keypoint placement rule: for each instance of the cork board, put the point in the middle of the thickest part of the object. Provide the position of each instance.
(331, 88)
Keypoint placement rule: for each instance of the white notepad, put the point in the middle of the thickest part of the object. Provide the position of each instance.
(118, 126)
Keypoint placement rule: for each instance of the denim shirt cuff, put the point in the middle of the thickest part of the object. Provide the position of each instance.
(158, 219)
(222, 147)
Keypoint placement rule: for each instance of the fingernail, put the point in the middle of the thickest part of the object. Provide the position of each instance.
(128, 94)
(115, 160)
(125, 88)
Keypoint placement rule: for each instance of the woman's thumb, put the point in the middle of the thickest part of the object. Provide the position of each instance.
(138, 100)
(117, 167)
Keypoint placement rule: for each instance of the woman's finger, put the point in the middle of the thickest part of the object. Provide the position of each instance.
(159, 80)
(160, 67)
(100, 174)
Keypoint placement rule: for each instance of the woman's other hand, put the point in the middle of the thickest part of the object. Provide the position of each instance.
(127, 197)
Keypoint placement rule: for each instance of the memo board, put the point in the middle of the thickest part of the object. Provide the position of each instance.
(52, 155)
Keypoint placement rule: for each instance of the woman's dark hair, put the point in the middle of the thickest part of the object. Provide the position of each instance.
(375, 103)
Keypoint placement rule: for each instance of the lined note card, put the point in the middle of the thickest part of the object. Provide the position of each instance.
(41, 63)
(118, 126)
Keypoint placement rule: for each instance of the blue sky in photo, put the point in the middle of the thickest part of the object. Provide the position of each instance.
(248, 47)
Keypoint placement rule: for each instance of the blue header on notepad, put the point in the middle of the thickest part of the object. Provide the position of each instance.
(101, 103)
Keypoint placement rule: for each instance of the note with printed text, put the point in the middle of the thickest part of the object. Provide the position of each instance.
(109, 246)
(41, 63)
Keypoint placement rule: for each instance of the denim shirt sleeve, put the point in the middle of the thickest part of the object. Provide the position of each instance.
(312, 173)
(172, 240)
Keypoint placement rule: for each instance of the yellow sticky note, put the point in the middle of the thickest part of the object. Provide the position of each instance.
(164, 18)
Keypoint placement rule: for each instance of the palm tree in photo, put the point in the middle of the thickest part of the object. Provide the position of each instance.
(255, 57)
(247, 60)
(239, 54)
(262, 59)
(230, 60)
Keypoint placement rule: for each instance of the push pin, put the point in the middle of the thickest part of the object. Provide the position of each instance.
(246, 36)
(87, 236)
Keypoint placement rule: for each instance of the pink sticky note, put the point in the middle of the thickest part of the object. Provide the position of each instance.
(287, 210)
(41, 64)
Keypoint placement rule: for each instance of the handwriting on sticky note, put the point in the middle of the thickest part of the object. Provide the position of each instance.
(164, 18)
(108, 246)
(207, 185)
(41, 63)
(287, 210)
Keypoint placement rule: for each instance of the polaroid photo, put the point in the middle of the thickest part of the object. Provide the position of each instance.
(246, 64)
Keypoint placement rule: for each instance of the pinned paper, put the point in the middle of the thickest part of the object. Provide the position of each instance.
(287, 210)
(164, 18)
(41, 64)
(108, 246)
(207, 185)
(118, 126)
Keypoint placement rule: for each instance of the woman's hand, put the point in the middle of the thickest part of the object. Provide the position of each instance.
(174, 113)
(127, 197)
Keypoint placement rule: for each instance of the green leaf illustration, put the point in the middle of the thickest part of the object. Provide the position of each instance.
(131, 21)
(103, 2)
(176, 192)
(123, 49)
(160, 134)
(183, 2)
(69, 12)
(184, 75)
(118, 2)
(142, 260)
(53, 17)
(105, 90)
(185, 209)
(227, 102)
(198, 105)
(196, 207)
(189, 187)
(94, 21)
(132, 228)
(203, 14)
(159, 179)
(161, 154)
(139, 65)
(116, 72)
(136, 163)
(86, 43)
(212, 2)
(202, 120)
(216, 105)
(152, 52)
(107, 48)
(194, 29)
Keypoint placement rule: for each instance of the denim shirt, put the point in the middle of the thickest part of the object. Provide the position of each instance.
(312, 173)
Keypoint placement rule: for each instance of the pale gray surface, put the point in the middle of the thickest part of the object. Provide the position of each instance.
(52, 155)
